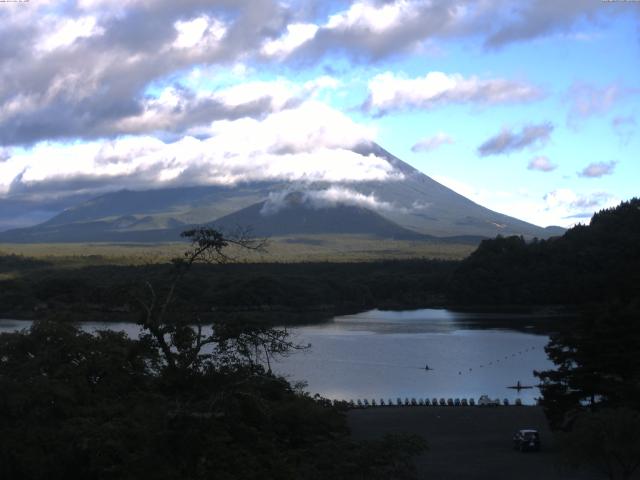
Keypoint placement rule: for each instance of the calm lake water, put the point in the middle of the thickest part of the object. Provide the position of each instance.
(382, 354)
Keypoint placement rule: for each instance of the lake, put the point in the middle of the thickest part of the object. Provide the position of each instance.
(383, 354)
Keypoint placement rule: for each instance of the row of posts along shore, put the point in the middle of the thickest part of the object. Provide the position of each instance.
(425, 402)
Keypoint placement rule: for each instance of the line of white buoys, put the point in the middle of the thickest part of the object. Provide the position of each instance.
(506, 357)
(413, 402)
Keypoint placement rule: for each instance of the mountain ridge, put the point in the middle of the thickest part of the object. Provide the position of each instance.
(411, 204)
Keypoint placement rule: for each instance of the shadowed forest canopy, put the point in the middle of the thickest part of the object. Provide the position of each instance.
(589, 263)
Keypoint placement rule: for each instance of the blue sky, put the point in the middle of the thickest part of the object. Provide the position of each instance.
(530, 108)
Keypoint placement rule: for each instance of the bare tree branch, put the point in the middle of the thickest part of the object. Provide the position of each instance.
(182, 344)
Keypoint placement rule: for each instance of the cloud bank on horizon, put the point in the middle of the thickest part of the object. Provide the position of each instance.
(99, 95)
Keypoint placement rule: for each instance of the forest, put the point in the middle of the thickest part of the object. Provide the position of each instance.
(33, 289)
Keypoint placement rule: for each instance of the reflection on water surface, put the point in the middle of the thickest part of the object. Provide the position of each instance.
(383, 354)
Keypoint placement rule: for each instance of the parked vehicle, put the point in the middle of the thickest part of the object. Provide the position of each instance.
(526, 440)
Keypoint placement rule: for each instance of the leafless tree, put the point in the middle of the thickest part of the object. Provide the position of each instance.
(181, 340)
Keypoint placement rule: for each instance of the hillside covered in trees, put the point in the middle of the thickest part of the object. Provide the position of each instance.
(589, 263)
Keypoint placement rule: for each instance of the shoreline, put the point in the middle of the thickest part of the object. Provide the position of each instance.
(312, 315)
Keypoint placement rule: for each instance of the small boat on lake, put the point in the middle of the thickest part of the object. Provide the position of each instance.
(518, 386)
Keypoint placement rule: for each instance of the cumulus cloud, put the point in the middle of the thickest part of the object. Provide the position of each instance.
(542, 164)
(181, 110)
(508, 141)
(329, 197)
(86, 70)
(63, 33)
(311, 142)
(598, 169)
(389, 92)
(431, 143)
(90, 68)
(367, 30)
(200, 33)
(296, 35)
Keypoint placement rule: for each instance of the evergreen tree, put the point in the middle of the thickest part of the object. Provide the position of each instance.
(597, 363)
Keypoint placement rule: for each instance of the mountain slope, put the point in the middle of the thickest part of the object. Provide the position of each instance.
(298, 216)
(429, 207)
(410, 203)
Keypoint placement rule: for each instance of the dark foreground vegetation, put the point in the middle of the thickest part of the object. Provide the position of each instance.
(74, 405)
(178, 403)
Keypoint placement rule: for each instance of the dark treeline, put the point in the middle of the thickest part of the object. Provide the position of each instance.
(105, 290)
(593, 263)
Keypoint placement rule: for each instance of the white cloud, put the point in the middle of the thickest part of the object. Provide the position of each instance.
(330, 197)
(202, 32)
(542, 164)
(279, 91)
(61, 32)
(507, 141)
(567, 204)
(598, 169)
(309, 143)
(431, 143)
(176, 109)
(297, 34)
(562, 206)
(341, 195)
(377, 19)
(388, 92)
(310, 126)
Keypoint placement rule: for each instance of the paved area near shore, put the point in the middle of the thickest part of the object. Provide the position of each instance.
(469, 442)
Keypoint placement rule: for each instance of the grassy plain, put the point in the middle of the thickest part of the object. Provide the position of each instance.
(311, 248)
